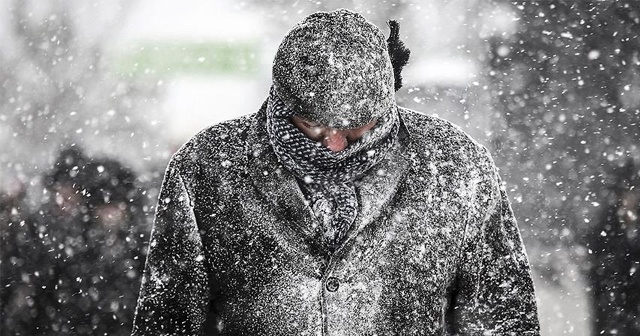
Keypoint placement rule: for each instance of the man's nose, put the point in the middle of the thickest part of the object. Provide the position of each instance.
(334, 140)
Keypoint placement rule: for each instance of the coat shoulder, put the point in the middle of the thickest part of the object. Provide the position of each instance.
(430, 133)
(221, 145)
(444, 156)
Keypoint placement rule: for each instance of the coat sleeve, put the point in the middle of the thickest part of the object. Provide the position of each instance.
(495, 294)
(174, 294)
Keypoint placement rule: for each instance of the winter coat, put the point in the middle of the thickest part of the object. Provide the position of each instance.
(236, 250)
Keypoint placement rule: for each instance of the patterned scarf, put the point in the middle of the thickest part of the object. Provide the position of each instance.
(327, 178)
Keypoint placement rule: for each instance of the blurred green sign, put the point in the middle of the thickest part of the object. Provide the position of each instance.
(168, 58)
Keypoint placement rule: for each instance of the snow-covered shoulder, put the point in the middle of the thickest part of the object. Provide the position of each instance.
(444, 155)
(218, 147)
(434, 133)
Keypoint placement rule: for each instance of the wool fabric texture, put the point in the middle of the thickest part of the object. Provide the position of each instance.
(326, 177)
(334, 68)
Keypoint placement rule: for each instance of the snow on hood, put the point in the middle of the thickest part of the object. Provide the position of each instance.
(334, 68)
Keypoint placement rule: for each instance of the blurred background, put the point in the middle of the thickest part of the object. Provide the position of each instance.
(95, 97)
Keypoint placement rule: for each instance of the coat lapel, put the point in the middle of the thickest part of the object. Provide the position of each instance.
(378, 187)
(279, 188)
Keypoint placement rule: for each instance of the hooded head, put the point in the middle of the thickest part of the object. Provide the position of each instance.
(68, 169)
(334, 68)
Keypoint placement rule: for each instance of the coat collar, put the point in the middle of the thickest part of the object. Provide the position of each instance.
(281, 191)
(377, 188)
(279, 188)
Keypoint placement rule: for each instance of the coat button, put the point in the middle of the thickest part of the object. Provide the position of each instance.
(332, 284)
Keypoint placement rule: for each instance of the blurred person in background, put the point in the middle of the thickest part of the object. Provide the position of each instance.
(615, 257)
(61, 245)
(87, 253)
(115, 243)
(333, 211)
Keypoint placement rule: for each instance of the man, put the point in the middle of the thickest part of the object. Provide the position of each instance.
(332, 211)
(83, 261)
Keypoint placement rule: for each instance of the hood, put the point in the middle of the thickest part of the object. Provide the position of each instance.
(334, 68)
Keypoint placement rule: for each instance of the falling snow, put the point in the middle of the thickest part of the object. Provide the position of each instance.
(96, 98)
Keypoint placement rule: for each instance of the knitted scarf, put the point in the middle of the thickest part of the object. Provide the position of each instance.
(327, 178)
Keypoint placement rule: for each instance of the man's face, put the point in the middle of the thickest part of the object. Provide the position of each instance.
(111, 215)
(333, 138)
(67, 198)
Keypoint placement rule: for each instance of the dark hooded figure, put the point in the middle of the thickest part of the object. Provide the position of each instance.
(56, 231)
(114, 247)
(333, 211)
(89, 254)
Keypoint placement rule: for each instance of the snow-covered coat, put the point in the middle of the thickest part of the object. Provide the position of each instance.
(236, 250)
